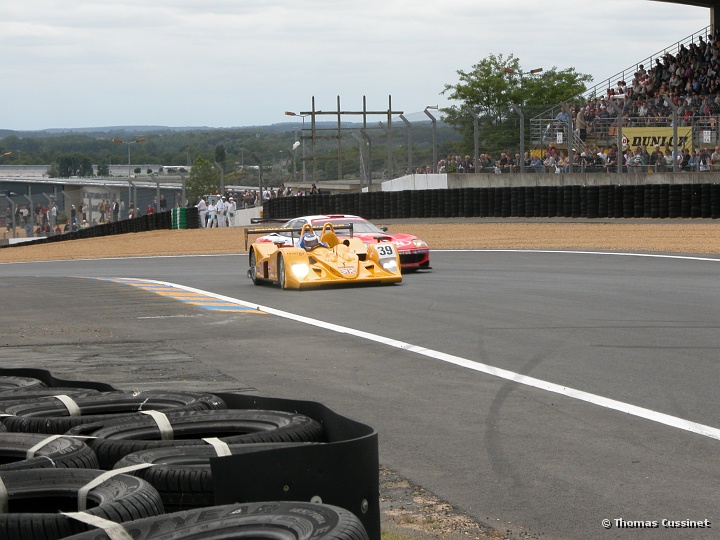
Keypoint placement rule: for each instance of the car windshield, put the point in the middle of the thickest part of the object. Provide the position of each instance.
(360, 226)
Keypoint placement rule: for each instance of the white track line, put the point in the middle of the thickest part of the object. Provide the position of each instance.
(569, 252)
(648, 414)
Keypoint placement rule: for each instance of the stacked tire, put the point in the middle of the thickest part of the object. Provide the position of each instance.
(76, 462)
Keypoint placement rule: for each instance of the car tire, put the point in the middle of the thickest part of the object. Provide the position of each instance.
(115, 440)
(260, 520)
(59, 453)
(253, 269)
(282, 278)
(51, 416)
(182, 474)
(35, 498)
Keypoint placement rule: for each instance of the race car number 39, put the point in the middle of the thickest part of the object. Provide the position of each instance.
(386, 251)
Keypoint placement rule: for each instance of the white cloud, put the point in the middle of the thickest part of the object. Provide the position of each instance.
(229, 62)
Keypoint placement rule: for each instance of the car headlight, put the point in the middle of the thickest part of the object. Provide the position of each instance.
(300, 270)
(419, 243)
(390, 265)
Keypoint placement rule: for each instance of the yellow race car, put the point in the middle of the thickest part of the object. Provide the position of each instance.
(320, 260)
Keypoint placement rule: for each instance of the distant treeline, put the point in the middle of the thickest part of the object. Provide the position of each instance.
(273, 145)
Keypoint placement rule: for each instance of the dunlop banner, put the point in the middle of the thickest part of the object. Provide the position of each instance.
(648, 137)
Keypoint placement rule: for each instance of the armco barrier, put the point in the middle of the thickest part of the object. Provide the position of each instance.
(656, 201)
(342, 472)
(148, 222)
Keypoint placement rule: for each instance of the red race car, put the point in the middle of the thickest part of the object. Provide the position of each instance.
(414, 253)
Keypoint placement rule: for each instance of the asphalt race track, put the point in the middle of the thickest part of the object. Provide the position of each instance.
(539, 392)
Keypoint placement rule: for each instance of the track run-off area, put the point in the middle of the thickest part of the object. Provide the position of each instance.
(540, 392)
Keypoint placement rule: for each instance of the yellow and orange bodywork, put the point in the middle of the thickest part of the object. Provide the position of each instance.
(347, 262)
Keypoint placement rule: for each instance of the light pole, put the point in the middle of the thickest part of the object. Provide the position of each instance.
(409, 143)
(519, 112)
(618, 110)
(260, 185)
(434, 135)
(303, 116)
(120, 141)
(476, 137)
(292, 153)
(669, 103)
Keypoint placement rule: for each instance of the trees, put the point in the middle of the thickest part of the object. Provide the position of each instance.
(103, 169)
(203, 179)
(493, 85)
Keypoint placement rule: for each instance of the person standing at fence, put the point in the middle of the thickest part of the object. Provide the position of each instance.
(53, 212)
(221, 212)
(580, 124)
(101, 210)
(115, 210)
(715, 159)
(163, 203)
(231, 211)
(202, 211)
(703, 161)
(212, 215)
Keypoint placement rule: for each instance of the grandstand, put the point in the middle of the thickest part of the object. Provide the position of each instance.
(671, 96)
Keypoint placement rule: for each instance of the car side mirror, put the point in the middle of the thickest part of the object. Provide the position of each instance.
(383, 228)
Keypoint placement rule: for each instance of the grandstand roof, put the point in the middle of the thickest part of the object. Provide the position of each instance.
(699, 3)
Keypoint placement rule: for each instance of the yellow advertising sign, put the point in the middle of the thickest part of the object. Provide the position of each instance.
(648, 137)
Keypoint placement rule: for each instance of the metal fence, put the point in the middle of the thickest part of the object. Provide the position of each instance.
(35, 210)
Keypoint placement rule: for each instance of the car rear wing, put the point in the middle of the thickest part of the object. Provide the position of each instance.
(269, 220)
(293, 232)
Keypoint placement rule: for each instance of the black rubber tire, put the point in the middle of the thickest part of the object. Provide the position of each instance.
(8, 382)
(271, 520)
(115, 440)
(35, 498)
(51, 416)
(23, 394)
(253, 269)
(182, 474)
(282, 278)
(60, 453)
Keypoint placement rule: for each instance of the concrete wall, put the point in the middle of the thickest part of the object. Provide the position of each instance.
(481, 180)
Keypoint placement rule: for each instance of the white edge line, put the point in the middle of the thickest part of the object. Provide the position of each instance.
(641, 412)
(559, 251)
(571, 252)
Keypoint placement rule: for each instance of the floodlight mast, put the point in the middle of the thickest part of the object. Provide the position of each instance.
(434, 135)
(302, 137)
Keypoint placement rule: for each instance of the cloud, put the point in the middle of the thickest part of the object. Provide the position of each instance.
(224, 62)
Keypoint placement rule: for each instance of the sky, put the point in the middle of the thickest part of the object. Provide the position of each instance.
(234, 63)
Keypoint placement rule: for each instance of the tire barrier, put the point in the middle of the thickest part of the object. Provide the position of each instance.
(259, 449)
(55, 415)
(297, 520)
(36, 497)
(114, 440)
(655, 201)
(23, 394)
(37, 451)
(183, 475)
(12, 383)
